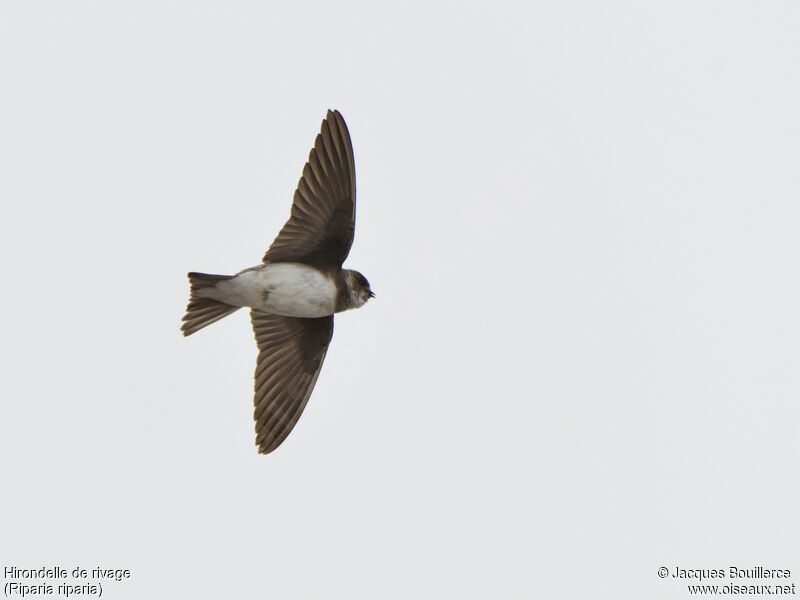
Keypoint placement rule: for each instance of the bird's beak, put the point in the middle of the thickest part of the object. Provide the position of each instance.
(371, 294)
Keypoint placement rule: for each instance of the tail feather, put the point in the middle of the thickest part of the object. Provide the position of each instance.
(203, 311)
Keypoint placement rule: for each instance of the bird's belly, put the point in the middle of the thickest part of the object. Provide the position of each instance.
(298, 301)
(287, 289)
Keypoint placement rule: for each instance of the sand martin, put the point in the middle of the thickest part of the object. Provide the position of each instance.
(294, 293)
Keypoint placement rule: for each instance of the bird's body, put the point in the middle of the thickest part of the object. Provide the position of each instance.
(293, 295)
(285, 289)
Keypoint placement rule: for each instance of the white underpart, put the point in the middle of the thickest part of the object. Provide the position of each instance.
(287, 289)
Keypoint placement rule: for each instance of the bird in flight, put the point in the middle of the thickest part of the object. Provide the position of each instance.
(294, 293)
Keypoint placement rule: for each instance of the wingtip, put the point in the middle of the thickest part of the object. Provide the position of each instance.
(265, 450)
(334, 113)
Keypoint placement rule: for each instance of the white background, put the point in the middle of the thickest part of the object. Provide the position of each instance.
(581, 223)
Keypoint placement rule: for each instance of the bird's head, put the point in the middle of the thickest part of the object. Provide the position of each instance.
(359, 288)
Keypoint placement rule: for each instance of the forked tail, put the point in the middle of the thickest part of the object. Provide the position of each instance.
(204, 311)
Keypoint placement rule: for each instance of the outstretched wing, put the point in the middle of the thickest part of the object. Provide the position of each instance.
(322, 223)
(291, 352)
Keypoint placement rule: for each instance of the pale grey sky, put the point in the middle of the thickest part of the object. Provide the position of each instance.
(581, 223)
